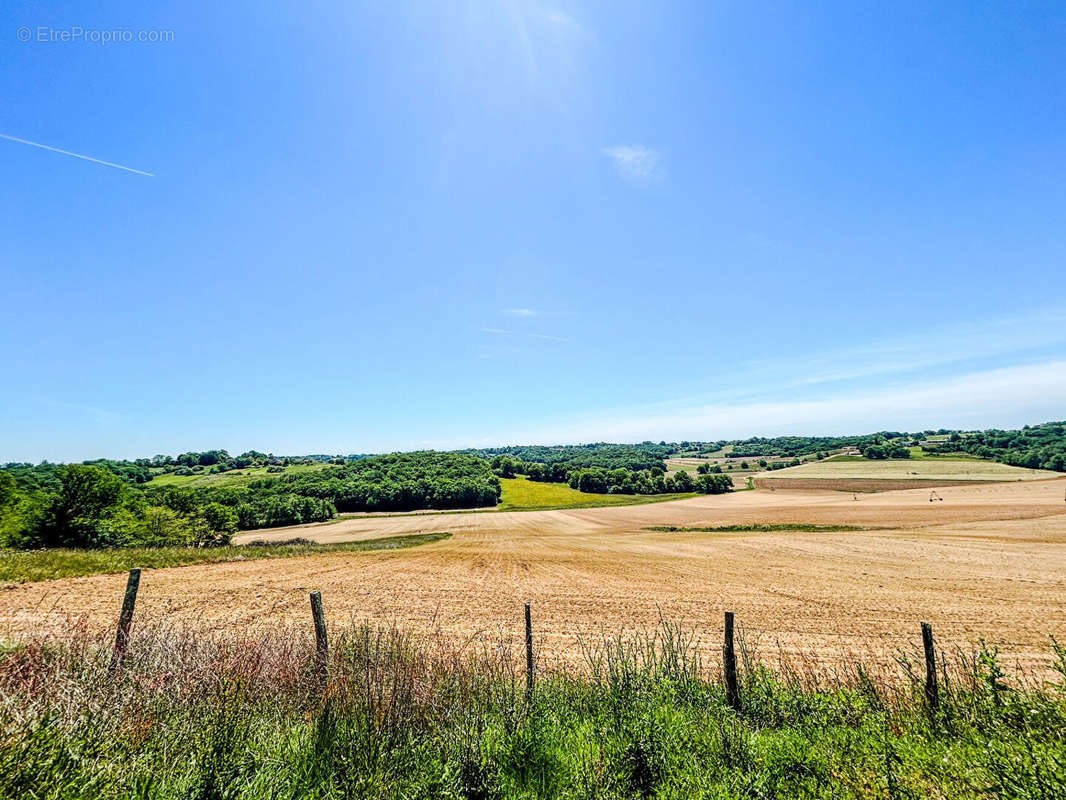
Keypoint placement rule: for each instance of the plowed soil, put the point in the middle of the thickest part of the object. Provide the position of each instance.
(989, 561)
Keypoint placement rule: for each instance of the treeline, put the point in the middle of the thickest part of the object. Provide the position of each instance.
(772, 465)
(1036, 446)
(208, 462)
(617, 480)
(642, 456)
(108, 503)
(624, 481)
(89, 505)
(254, 508)
(45, 476)
(794, 446)
(880, 452)
(398, 482)
(213, 462)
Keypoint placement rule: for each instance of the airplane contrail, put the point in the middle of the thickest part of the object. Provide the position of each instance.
(76, 155)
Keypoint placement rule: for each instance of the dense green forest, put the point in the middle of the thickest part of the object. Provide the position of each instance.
(88, 505)
(806, 445)
(1037, 446)
(397, 482)
(624, 481)
(607, 456)
(104, 504)
(1034, 446)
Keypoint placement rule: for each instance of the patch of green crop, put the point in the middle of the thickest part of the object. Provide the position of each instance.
(520, 494)
(26, 566)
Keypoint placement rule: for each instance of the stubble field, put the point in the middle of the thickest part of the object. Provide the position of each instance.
(931, 469)
(989, 561)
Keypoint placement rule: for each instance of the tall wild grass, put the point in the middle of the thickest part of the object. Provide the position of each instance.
(197, 716)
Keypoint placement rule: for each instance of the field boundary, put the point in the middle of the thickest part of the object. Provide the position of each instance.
(866, 484)
(34, 566)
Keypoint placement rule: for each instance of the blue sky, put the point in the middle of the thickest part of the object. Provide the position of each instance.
(391, 225)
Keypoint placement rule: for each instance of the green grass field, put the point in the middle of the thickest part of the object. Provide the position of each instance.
(918, 454)
(520, 494)
(240, 477)
(687, 463)
(27, 566)
(729, 465)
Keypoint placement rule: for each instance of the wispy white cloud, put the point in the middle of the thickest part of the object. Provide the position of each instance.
(75, 155)
(560, 19)
(933, 348)
(521, 312)
(1008, 396)
(548, 337)
(545, 38)
(541, 336)
(633, 160)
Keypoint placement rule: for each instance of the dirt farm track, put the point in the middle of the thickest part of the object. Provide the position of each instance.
(988, 561)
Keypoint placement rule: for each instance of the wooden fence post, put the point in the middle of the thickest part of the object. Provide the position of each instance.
(729, 663)
(125, 618)
(932, 691)
(321, 643)
(529, 653)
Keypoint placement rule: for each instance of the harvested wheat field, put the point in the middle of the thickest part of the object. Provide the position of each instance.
(867, 475)
(988, 561)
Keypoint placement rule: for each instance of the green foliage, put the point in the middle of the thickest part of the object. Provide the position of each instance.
(8, 490)
(775, 465)
(607, 469)
(714, 484)
(155, 526)
(269, 510)
(219, 518)
(883, 451)
(397, 482)
(92, 507)
(83, 505)
(608, 456)
(1035, 447)
(622, 481)
(78, 514)
(803, 445)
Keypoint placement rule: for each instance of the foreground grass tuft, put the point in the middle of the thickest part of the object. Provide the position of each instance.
(27, 566)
